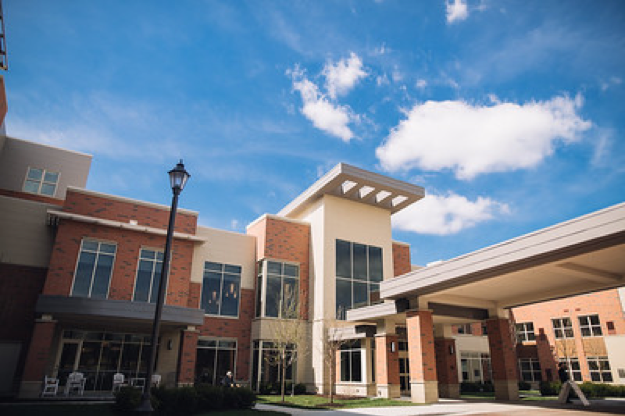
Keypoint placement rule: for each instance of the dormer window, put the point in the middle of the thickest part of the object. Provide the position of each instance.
(41, 181)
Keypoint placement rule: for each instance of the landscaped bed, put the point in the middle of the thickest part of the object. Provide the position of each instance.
(308, 401)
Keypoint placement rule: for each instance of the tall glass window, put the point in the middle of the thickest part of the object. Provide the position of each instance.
(148, 275)
(41, 181)
(351, 361)
(266, 368)
(215, 357)
(277, 290)
(358, 276)
(529, 368)
(220, 289)
(93, 272)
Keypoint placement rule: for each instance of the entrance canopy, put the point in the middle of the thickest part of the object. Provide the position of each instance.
(579, 256)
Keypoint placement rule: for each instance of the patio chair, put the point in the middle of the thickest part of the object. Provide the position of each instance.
(156, 380)
(50, 386)
(118, 381)
(75, 382)
(138, 383)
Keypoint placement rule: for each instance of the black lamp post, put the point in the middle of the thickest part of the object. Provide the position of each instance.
(178, 177)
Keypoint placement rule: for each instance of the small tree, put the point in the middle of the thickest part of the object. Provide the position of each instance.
(331, 345)
(290, 335)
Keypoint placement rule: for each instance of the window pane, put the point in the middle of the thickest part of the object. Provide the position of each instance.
(107, 248)
(144, 278)
(345, 367)
(228, 268)
(259, 294)
(148, 254)
(51, 177)
(47, 189)
(272, 304)
(274, 268)
(35, 174)
(205, 366)
(212, 266)
(156, 281)
(30, 186)
(225, 362)
(211, 289)
(360, 294)
(230, 296)
(102, 276)
(374, 293)
(290, 299)
(343, 259)
(343, 297)
(291, 270)
(356, 366)
(375, 264)
(360, 261)
(84, 271)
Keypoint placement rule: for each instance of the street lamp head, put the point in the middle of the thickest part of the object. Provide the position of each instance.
(178, 177)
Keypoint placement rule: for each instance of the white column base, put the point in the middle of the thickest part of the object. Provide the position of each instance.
(424, 391)
(506, 389)
(449, 391)
(388, 391)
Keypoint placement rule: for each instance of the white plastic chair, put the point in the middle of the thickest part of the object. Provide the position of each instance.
(50, 386)
(138, 383)
(75, 382)
(156, 380)
(118, 381)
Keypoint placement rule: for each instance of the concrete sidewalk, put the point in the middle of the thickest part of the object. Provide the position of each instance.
(469, 407)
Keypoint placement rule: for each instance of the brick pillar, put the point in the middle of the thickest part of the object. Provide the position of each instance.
(188, 355)
(423, 382)
(387, 366)
(447, 368)
(38, 358)
(503, 359)
(548, 365)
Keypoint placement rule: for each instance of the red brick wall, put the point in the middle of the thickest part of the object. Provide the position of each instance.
(289, 241)
(446, 364)
(421, 353)
(241, 329)
(401, 259)
(188, 355)
(386, 361)
(39, 351)
(116, 210)
(502, 349)
(66, 248)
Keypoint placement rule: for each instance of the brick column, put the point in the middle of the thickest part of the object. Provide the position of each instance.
(387, 366)
(503, 359)
(38, 358)
(188, 355)
(548, 365)
(447, 368)
(423, 382)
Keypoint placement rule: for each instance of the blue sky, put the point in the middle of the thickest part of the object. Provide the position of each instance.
(509, 114)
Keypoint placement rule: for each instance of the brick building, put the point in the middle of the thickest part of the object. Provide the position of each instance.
(79, 270)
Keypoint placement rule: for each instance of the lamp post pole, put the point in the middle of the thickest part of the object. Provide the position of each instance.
(178, 178)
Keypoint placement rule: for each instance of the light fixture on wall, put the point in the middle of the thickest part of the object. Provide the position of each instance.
(170, 344)
(393, 346)
(451, 350)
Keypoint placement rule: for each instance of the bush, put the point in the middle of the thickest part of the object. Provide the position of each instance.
(549, 388)
(592, 390)
(209, 397)
(127, 399)
(524, 385)
(300, 388)
(471, 387)
(181, 400)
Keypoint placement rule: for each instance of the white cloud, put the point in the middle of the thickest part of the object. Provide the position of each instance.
(326, 116)
(342, 76)
(421, 84)
(456, 11)
(474, 139)
(444, 215)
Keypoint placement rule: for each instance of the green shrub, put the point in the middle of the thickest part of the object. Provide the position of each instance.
(300, 388)
(524, 385)
(127, 399)
(549, 388)
(471, 387)
(245, 398)
(209, 397)
(592, 390)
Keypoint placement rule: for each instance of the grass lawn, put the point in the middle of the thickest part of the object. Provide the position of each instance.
(101, 410)
(320, 402)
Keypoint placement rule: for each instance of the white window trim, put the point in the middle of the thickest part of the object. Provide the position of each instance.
(221, 282)
(134, 289)
(108, 289)
(43, 176)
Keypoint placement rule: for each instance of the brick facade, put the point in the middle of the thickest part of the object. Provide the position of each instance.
(401, 259)
(421, 352)
(386, 360)
(37, 360)
(502, 349)
(188, 354)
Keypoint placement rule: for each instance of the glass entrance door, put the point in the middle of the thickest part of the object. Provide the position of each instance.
(67, 360)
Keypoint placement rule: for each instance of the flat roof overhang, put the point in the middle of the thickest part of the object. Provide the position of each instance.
(350, 182)
(579, 256)
(117, 313)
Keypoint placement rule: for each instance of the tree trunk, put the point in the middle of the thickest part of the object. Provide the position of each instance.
(332, 375)
(283, 383)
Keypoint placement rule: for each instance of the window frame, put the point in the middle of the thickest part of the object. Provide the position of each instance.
(217, 347)
(221, 288)
(573, 367)
(593, 330)
(524, 333)
(601, 370)
(261, 288)
(348, 352)
(534, 369)
(563, 328)
(41, 182)
(156, 267)
(94, 269)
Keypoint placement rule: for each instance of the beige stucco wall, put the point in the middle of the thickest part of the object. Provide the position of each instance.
(16, 156)
(225, 247)
(25, 237)
(615, 344)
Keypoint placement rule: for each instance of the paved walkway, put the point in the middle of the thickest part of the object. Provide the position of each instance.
(465, 407)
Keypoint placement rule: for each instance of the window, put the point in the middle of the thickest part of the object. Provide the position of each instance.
(562, 327)
(599, 369)
(590, 326)
(93, 272)
(358, 276)
(215, 357)
(529, 368)
(277, 290)
(40, 181)
(475, 366)
(266, 369)
(465, 329)
(220, 289)
(525, 332)
(574, 369)
(148, 275)
(351, 361)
